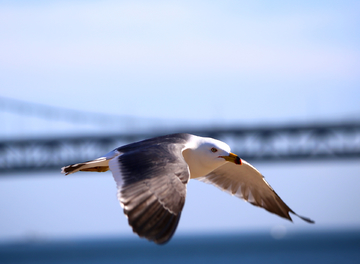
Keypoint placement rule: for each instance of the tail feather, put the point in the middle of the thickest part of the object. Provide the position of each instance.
(99, 165)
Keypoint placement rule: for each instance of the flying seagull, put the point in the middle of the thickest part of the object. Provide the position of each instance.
(151, 177)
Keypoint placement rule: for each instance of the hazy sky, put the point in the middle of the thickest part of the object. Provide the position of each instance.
(208, 62)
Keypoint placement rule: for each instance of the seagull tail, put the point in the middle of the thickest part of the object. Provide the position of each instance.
(99, 165)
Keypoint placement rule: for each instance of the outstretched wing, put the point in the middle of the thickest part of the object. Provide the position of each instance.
(151, 183)
(246, 182)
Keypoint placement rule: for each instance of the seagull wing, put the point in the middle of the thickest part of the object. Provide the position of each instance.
(246, 182)
(151, 177)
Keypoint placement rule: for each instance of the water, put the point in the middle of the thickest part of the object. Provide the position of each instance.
(320, 247)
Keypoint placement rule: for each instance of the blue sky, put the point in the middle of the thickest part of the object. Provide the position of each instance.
(199, 62)
(185, 59)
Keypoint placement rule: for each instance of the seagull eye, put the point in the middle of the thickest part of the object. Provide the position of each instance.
(213, 150)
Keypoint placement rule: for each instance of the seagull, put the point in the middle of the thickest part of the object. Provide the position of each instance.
(151, 178)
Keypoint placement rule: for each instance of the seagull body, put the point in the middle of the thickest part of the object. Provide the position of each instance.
(151, 177)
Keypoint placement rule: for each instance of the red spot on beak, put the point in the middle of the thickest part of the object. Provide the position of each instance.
(238, 161)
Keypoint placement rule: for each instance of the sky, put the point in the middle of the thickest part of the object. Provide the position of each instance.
(181, 62)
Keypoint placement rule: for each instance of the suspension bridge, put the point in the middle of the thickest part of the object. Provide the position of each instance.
(320, 141)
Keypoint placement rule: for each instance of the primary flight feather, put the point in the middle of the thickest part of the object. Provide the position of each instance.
(151, 177)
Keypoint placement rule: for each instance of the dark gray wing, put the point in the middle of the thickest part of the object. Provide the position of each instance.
(246, 182)
(151, 178)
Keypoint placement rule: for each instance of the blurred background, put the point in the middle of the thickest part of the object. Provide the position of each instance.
(278, 81)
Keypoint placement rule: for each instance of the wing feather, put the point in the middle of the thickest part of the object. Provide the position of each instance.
(151, 182)
(246, 182)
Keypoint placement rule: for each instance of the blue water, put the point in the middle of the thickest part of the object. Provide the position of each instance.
(320, 247)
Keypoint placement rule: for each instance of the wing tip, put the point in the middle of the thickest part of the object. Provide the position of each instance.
(162, 236)
(306, 219)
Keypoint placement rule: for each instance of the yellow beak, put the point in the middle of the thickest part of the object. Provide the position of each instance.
(232, 158)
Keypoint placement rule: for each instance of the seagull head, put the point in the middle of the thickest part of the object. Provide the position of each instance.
(206, 154)
(217, 151)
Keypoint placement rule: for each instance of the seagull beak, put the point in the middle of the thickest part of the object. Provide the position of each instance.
(232, 158)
